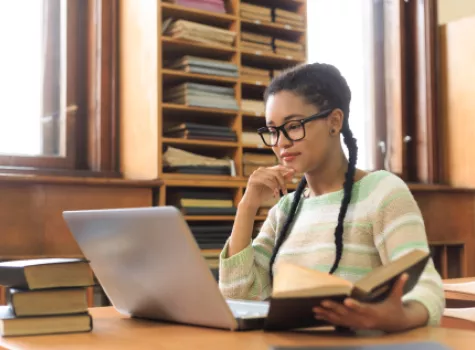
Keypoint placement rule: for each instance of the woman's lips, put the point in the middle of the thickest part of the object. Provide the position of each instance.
(289, 157)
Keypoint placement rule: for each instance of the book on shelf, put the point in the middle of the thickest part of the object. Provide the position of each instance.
(203, 202)
(254, 12)
(202, 95)
(216, 6)
(253, 106)
(298, 289)
(203, 65)
(199, 131)
(252, 138)
(198, 32)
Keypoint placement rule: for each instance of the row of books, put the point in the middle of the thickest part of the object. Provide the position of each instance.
(217, 6)
(45, 296)
(202, 95)
(209, 66)
(197, 131)
(266, 43)
(198, 32)
(257, 13)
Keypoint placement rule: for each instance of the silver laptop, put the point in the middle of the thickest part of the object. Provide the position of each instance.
(150, 266)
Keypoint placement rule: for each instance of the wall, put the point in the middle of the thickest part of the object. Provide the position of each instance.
(451, 10)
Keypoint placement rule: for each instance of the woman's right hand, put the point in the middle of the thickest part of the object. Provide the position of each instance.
(265, 183)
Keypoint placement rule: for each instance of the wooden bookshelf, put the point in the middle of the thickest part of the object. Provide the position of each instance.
(148, 63)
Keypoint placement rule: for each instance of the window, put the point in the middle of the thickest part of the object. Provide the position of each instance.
(339, 33)
(57, 91)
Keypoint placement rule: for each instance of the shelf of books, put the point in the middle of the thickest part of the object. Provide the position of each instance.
(193, 77)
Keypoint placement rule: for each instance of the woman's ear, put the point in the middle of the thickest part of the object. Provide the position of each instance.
(335, 121)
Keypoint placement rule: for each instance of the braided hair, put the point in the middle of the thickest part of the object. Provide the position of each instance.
(323, 86)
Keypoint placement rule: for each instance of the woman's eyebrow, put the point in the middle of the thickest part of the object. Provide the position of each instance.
(288, 118)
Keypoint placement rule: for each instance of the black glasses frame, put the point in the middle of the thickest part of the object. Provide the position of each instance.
(264, 129)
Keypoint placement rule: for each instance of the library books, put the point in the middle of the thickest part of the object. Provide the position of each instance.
(292, 19)
(252, 161)
(205, 5)
(289, 48)
(252, 138)
(256, 107)
(255, 74)
(195, 202)
(203, 65)
(192, 31)
(256, 42)
(45, 296)
(255, 13)
(202, 95)
(179, 161)
(196, 131)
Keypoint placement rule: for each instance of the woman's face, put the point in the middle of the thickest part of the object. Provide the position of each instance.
(314, 149)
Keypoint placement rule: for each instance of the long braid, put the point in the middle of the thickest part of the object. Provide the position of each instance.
(285, 228)
(350, 142)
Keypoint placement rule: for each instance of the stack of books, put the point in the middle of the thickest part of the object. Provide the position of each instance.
(203, 202)
(252, 161)
(202, 95)
(192, 31)
(45, 296)
(289, 48)
(256, 107)
(256, 42)
(289, 18)
(255, 13)
(184, 162)
(202, 65)
(205, 5)
(195, 131)
(255, 74)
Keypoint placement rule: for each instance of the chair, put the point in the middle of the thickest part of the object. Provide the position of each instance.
(460, 303)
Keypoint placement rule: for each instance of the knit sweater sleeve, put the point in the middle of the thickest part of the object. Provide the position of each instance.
(398, 229)
(245, 275)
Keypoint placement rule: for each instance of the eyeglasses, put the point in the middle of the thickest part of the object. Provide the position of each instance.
(293, 130)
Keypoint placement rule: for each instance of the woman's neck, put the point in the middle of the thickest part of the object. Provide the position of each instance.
(328, 178)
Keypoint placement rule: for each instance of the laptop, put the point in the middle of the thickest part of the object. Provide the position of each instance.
(150, 266)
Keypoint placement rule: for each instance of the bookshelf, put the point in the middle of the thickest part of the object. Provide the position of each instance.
(154, 36)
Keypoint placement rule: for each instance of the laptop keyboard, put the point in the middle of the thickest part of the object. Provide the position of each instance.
(248, 309)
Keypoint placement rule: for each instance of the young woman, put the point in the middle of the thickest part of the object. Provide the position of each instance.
(340, 219)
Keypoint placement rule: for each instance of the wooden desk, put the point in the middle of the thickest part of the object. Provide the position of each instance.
(112, 331)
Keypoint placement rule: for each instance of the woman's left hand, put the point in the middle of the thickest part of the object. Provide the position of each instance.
(390, 315)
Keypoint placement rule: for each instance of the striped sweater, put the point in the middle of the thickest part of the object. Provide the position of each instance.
(383, 222)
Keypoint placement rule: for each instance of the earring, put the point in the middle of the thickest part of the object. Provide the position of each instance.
(332, 131)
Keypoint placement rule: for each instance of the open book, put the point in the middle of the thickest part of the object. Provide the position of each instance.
(298, 289)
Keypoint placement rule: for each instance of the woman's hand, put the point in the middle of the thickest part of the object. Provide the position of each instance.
(390, 315)
(265, 183)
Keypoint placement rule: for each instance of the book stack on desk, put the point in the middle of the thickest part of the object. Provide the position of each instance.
(202, 95)
(203, 65)
(198, 131)
(45, 296)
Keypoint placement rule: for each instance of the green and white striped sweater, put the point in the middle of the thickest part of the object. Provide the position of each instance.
(382, 223)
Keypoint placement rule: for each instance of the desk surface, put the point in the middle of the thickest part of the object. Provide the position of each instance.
(112, 331)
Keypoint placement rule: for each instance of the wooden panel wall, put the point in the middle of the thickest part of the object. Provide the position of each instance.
(458, 101)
